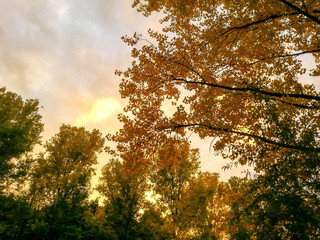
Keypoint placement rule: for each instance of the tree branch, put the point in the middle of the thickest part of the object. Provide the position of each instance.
(252, 90)
(226, 130)
(299, 10)
(271, 17)
(243, 89)
(287, 55)
(297, 105)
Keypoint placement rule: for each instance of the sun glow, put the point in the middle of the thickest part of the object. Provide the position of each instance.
(101, 109)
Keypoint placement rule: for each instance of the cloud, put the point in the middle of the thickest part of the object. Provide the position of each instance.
(61, 51)
(101, 109)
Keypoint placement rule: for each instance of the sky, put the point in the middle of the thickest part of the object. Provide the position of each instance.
(65, 53)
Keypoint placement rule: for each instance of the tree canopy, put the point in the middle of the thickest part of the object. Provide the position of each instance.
(232, 72)
(20, 128)
(232, 68)
(63, 172)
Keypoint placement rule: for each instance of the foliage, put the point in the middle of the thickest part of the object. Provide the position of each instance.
(238, 65)
(240, 222)
(124, 197)
(231, 70)
(20, 128)
(14, 213)
(193, 204)
(286, 201)
(173, 171)
(64, 171)
(61, 183)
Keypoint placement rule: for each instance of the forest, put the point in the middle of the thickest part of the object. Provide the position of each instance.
(232, 72)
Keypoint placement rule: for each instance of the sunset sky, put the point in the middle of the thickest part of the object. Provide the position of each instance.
(65, 52)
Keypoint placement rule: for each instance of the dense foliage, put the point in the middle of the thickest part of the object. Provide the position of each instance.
(20, 128)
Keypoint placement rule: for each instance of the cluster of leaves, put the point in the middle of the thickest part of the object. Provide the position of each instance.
(238, 63)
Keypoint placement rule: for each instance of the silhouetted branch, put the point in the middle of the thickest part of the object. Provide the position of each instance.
(264, 139)
(299, 10)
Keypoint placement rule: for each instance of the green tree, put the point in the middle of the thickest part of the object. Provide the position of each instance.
(124, 192)
(203, 214)
(152, 224)
(285, 201)
(285, 195)
(175, 166)
(14, 213)
(20, 128)
(240, 222)
(61, 182)
(64, 170)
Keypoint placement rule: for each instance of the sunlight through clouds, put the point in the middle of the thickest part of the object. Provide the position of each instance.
(101, 109)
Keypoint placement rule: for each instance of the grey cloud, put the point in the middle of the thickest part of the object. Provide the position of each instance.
(60, 50)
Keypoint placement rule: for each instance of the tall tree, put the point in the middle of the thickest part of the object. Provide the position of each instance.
(240, 221)
(64, 170)
(285, 200)
(61, 181)
(124, 193)
(20, 128)
(176, 164)
(232, 68)
(193, 203)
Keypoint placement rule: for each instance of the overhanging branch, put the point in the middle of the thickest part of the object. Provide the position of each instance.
(266, 140)
(299, 10)
(242, 89)
(271, 17)
(252, 90)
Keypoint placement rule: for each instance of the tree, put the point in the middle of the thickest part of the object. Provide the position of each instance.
(152, 224)
(204, 207)
(64, 171)
(124, 191)
(184, 205)
(238, 63)
(20, 128)
(240, 221)
(285, 201)
(61, 181)
(175, 166)
(194, 204)
(232, 68)
(13, 215)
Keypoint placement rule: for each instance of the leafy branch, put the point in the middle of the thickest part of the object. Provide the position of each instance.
(264, 139)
